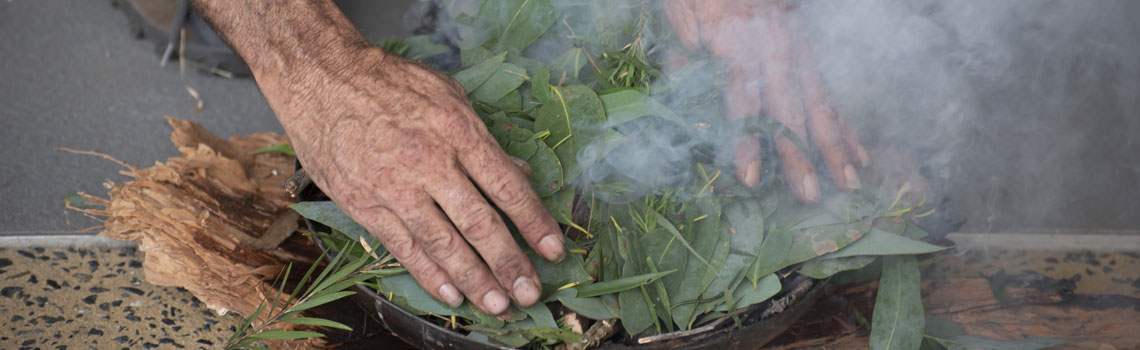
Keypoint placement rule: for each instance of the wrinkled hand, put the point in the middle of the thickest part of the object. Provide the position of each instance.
(753, 38)
(396, 145)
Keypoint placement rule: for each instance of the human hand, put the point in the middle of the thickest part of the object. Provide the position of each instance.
(771, 63)
(396, 145)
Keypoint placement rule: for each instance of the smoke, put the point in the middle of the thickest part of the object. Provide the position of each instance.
(1022, 112)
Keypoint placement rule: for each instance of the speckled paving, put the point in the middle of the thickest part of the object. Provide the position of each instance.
(1115, 273)
(97, 299)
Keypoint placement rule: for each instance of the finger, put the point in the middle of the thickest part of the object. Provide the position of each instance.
(450, 251)
(854, 145)
(798, 171)
(387, 227)
(826, 134)
(509, 189)
(682, 15)
(481, 225)
(746, 159)
(776, 63)
(522, 165)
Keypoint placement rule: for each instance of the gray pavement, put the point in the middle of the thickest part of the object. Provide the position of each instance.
(71, 75)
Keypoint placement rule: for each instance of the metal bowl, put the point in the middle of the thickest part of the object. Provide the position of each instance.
(759, 323)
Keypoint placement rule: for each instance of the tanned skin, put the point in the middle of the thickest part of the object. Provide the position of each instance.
(397, 146)
(792, 93)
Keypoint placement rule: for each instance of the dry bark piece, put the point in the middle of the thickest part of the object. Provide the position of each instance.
(211, 220)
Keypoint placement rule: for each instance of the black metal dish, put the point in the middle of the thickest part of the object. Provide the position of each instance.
(759, 323)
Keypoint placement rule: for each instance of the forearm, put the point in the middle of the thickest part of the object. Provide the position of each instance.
(289, 45)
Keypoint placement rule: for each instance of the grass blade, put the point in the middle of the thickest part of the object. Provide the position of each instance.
(317, 301)
(618, 285)
(661, 220)
(312, 321)
(278, 334)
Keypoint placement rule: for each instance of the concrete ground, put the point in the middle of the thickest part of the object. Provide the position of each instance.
(72, 75)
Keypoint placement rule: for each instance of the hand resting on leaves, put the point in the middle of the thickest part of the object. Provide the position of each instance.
(771, 63)
(396, 145)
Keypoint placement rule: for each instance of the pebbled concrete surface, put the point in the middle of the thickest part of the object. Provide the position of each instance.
(61, 298)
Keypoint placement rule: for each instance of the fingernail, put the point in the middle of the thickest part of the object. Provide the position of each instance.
(450, 295)
(526, 291)
(752, 174)
(864, 158)
(495, 302)
(811, 188)
(552, 248)
(852, 177)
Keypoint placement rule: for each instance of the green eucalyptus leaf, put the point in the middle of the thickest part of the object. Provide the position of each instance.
(569, 270)
(943, 328)
(898, 320)
(541, 315)
(823, 268)
(592, 308)
(706, 235)
(618, 285)
(473, 76)
(540, 85)
(511, 24)
(511, 102)
(504, 80)
(636, 314)
(745, 224)
(666, 253)
(560, 205)
(746, 294)
(468, 57)
(573, 116)
(327, 213)
(419, 299)
(815, 241)
(728, 274)
(546, 171)
(421, 47)
(623, 106)
(773, 253)
(879, 242)
(914, 232)
(568, 66)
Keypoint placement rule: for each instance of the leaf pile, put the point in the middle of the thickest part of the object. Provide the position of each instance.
(694, 249)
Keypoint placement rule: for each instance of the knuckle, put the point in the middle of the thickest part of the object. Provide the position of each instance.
(510, 267)
(440, 244)
(479, 223)
(402, 248)
(508, 192)
(468, 275)
(529, 222)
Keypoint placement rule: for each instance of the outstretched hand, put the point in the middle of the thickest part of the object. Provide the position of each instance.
(397, 146)
(402, 153)
(753, 38)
